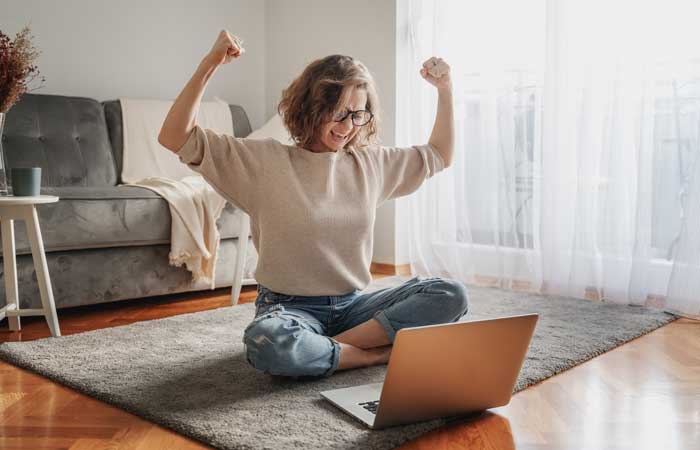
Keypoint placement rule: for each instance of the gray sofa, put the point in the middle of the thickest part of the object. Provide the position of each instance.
(103, 242)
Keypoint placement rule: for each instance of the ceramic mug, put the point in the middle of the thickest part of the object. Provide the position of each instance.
(26, 181)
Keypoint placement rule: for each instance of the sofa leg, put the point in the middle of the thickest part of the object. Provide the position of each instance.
(241, 253)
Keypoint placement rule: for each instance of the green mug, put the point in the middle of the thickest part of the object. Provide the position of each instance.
(26, 181)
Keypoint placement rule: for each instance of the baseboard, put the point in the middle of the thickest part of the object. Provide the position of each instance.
(496, 282)
(390, 269)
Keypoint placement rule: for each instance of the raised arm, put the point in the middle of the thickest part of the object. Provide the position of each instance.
(182, 116)
(442, 139)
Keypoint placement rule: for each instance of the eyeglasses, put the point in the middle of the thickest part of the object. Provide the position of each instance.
(359, 118)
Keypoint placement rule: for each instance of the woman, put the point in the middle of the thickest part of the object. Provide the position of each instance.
(312, 210)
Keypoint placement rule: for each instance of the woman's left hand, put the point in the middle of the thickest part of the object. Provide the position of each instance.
(437, 72)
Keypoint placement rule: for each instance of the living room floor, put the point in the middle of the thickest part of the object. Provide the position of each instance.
(644, 394)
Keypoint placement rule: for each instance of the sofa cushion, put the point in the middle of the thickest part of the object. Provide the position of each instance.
(109, 217)
(66, 136)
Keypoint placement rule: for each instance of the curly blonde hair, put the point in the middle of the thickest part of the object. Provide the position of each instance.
(312, 98)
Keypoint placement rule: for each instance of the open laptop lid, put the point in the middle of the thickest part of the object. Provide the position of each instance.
(452, 369)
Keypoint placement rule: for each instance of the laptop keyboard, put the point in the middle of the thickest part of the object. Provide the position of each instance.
(370, 406)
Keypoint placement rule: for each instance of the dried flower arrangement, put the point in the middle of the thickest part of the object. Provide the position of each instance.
(17, 69)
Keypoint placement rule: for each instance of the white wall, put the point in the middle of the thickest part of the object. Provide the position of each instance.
(145, 49)
(301, 31)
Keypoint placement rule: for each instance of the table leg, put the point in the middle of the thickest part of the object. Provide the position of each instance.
(9, 263)
(42, 270)
(241, 252)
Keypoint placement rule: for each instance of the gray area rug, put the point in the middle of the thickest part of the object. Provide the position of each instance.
(189, 373)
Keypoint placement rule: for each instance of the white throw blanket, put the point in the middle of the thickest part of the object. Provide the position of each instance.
(194, 205)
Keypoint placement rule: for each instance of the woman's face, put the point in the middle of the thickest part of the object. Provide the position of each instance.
(335, 135)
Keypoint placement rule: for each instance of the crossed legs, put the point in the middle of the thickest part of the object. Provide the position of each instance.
(367, 344)
(292, 342)
(423, 302)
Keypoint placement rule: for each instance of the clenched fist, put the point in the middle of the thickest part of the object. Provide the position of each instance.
(226, 48)
(437, 72)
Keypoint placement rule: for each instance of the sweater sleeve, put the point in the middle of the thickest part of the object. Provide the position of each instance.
(401, 171)
(229, 164)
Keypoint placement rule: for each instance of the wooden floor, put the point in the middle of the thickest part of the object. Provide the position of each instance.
(643, 395)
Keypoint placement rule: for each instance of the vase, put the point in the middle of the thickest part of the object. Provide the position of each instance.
(3, 172)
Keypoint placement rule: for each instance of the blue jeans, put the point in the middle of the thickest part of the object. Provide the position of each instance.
(291, 335)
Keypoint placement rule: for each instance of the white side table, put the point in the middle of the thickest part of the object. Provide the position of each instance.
(23, 208)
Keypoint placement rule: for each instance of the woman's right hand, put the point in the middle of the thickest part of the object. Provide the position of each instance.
(226, 48)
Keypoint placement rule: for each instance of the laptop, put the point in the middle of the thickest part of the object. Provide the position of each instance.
(443, 370)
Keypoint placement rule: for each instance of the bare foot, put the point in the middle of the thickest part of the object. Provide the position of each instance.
(382, 354)
(353, 357)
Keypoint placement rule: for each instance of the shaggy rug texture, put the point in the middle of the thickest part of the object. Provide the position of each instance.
(189, 372)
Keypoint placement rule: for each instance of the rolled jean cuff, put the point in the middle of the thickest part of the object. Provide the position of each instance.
(384, 321)
(335, 358)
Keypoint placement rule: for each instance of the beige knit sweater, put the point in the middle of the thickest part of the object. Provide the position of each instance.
(312, 214)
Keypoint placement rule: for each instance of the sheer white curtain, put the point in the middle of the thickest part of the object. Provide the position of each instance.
(578, 134)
